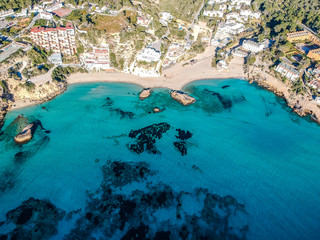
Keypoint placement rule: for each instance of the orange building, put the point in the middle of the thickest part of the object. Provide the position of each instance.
(302, 36)
(315, 54)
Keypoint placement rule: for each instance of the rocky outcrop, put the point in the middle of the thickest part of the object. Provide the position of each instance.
(145, 93)
(3, 112)
(182, 97)
(27, 133)
(157, 110)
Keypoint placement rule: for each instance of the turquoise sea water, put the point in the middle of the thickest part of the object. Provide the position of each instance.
(245, 144)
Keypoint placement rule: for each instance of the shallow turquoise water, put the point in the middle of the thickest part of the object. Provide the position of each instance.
(245, 143)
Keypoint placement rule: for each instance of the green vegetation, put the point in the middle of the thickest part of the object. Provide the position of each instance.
(16, 5)
(29, 86)
(283, 16)
(60, 73)
(182, 9)
(251, 59)
(41, 22)
(112, 4)
(37, 57)
(113, 60)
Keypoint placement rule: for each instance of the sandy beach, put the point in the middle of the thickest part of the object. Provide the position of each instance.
(174, 78)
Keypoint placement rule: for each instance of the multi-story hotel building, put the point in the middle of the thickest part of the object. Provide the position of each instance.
(59, 39)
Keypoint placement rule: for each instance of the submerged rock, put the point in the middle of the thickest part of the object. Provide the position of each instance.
(145, 93)
(123, 114)
(182, 97)
(153, 210)
(146, 137)
(181, 146)
(35, 219)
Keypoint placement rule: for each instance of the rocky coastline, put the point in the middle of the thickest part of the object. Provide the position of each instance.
(40, 96)
(295, 105)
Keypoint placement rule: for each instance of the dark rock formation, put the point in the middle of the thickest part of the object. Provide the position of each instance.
(181, 145)
(34, 219)
(146, 137)
(108, 102)
(122, 114)
(225, 86)
(111, 210)
(226, 102)
(183, 135)
(122, 173)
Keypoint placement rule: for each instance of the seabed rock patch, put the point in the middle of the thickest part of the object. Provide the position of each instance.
(181, 145)
(146, 137)
(156, 211)
(34, 219)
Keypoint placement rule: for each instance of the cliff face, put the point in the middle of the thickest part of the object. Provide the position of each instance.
(39, 93)
(18, 94)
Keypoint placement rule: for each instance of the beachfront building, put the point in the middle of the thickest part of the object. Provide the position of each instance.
(287, 71)
(97, 59)
(58, 40)
(175, 51)
(152, 53)
(253, 46)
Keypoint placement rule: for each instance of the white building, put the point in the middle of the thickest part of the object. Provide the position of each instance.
(246, 14)
(175, 51)
(287, 71)
(98, 59)
(23, 13)
(4, 14)
(213, 13)
(212, 2)
(54, 7)
(241, 2)
(151, 53)
(55, 58)
(143, 21)
(45, 15)
(234, 16)
(240, 53)
(253, 46)
(165, 17)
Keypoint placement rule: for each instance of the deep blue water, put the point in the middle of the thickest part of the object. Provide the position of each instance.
(243, 166)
